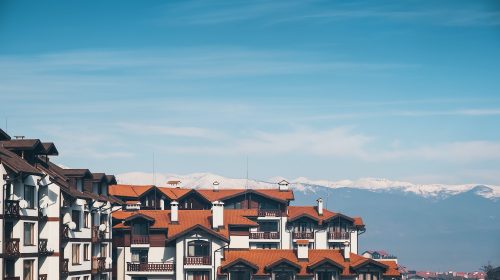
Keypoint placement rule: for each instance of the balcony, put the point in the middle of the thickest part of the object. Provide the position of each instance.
(98, 264)
(12, 247)
(139, 239)
(42, 277)
(264, 235)
(97, 235)
(206, 260)
(12, 278)
(303, 235)
(145, 267)
(12, 209)
(338, 235)
(42, 247)
(65, 267)
(269, 213)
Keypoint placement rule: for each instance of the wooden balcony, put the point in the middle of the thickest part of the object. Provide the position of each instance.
(11, 248)
(139, 239)
(338, 235)
(206, 260)
(264, 235)
(12, 209)
(303, 235)
(98, 264)
(42, 277)
(145, 267)
(64, 267)
(269, 213)
(42, 247)
(97, 235)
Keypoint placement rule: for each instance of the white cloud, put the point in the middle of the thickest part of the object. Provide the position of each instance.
(170, 130)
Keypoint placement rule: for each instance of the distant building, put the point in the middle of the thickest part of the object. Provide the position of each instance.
(379, 255)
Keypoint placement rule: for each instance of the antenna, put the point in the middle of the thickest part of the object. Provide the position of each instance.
(6, 124)
(246, 184)
(154, 171)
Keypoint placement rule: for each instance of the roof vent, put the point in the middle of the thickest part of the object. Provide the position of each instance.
(283, 185)
(216, 186)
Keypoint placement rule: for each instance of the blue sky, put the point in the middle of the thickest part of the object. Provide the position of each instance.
(404, 90)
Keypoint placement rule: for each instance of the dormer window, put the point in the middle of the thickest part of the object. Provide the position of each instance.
(79, 184)
(198, 248)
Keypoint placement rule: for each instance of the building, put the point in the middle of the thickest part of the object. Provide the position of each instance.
(178, 233)
(55, 222)
(379, 255)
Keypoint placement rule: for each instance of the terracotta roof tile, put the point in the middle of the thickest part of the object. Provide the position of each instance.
(129, 190)
(296, 212)
(262, 258)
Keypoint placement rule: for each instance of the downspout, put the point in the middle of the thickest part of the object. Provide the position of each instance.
(214, 268)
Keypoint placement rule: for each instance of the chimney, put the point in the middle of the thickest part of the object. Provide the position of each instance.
(320, 206)
(217, 214)
(347, 250)
(215, 186)
(283, 185)
(174, 212)
(303, 249)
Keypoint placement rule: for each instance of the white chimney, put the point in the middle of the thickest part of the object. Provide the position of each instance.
(283, 185)
(217, 214)
(320, 206)
(302, 249)
(174, 212)
(216, 186)
(347, 250)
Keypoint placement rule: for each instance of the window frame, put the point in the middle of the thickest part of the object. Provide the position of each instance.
(31, 234)
(31, 201)
(75, 254)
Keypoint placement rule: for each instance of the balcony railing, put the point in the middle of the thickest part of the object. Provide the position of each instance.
(269, 213)
(303, 235)
(42, 247)
(12, 209)
(97, 235)
(98, 264)
(139, 239)
(65, 267)
(12, 247)
(42, 277)
(12, 278)
(150, 266)
(264, 235)
(338, 235)
(206, 260)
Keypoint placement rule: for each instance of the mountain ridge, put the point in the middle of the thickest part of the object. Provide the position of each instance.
(205, 180)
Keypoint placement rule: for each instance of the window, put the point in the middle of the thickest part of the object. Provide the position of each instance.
(29, 195)
(29, 234)
(198, 275)
(28, 270)
(104, 250)
(266, 246)
(325, 275)
(140, 229)
(140, 256)
(86, 221)
(283, 276)
(268, 226)
(76, 254)
(75, 215)
(79, 185)
(85, 278)
(86, 252)
(368, 276)
(240, 275)
(75, 278)
(104, 219)
(198, 248)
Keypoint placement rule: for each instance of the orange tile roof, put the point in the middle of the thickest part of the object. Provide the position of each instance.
(188, 219)
(261, 259)
(296, 212)
(302, 242)
(129, 190)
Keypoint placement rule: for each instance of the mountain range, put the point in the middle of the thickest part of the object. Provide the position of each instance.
(429, 227)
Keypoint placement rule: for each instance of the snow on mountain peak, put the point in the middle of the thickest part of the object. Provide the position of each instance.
(205, 180)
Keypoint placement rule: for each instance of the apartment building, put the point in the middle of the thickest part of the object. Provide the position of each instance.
(55, 222)
(177, 233)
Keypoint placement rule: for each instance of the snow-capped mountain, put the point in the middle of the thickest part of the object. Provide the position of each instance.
(205, 180)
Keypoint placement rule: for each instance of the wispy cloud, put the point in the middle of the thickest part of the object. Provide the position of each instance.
(206, 13)
(170, 130)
